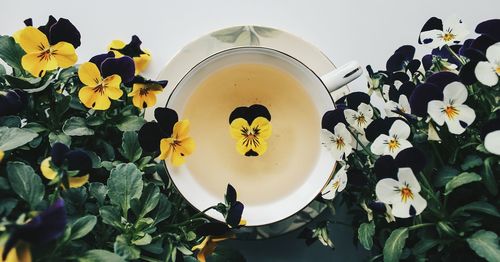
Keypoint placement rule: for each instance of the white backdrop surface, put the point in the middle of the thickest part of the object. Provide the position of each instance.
(368, 31)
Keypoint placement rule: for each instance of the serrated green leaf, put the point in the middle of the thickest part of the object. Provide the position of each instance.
(98, 191)
(12, 137)
(130, 123)
(11, 52)
(100, 255)
(394, 245)
(131, 149)
(478, 206)
(485, 244)
(82, 226)
(25, 183)
(423, 246)
(460, 180)
(163, 209)
(124, 184)
(76, 126)
(365, 235)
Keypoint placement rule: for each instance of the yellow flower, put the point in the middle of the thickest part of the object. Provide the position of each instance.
(208, 245)
(41, 56)
(133, 49)
(251, 139)
(50, 174)
(144, 92)
(177, 146)
(98, 90)
(2, 154)
(21, 253)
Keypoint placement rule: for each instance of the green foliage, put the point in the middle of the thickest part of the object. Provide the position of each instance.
(25, 183)
(124, 184)
(365, 235)
(485, 244)
(13, 137)
(460, 180)
(394, 245)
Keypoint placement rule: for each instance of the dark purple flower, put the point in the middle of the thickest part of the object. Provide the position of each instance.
(45, 227)
(432, 89)
(377, 207)
(353, 100)
(332, 118)
(387, 167)
(402, 60)
(132, 49)
(250, 113)
(153, 132)
(77, 159)
(109, 65)
(13, 102)
(380, 126)
(490, 28)
(61, 30)
(356, 177)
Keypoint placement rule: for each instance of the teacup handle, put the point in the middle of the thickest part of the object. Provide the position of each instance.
(342, 75)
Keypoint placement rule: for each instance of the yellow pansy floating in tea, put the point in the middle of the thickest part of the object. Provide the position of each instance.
(102, 77)
(144, 91)
(169, 135)
(132, 49)
(251, 127)
(63, 161)
(48, 47)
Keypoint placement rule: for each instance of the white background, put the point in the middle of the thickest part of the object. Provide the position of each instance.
(368, 31)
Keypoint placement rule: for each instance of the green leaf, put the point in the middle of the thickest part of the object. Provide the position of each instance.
(25, 182)
(94, 120)
(485, 244)
(96, 160)
(163, 209)
(488, 176)
(98, 191)
(27, 84)
(148, 201)
(444, 175)
(130, 123)
(365, 235)
(11, 52)
(131, 149)
(60, 137)
(35, 127)
(460, 180)
(2, 70)
(394, 245)
(478, 206)
(62, 105)
(126, 250)
(12, 137)
(111, 216)
(225, 254)
(424, 245)
(100, 255)
(82, 226)
(142, 241)
(10, 121)
(76, 126)
(124, 184)
(470, 162)
(7, 205)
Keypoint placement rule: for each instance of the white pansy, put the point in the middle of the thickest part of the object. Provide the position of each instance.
(338, 143)
(403, 106)
(336, 184)
(394, 142)
(492, 142)
(487, 72)
(360, 119)
(451, 110)
(402, 194)
(452, 33)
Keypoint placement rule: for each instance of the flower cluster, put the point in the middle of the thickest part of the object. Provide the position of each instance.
(421, 135)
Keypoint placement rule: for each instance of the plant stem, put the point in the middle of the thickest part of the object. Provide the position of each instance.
(187, 222)
(368, 152)
(454, 54)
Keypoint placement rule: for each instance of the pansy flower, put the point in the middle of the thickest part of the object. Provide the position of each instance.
(251, 127)
(133, 50)
(451, 110)
(215, 232)
(2, 155)
(63, 159)
(402, 60)
(490, 134)
(102, 77)
(361, 118)
(401, 194)
(168, 135)
(487, 72)
(432, 89)
(144, 91)
(336, 184)
(12, 101)
(387, 166)
(337, 143)
(437, 32)
(47, 226)
(394, 109)
(394, 141)
(48, 47)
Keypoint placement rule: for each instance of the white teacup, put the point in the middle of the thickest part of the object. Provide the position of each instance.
(318, 89)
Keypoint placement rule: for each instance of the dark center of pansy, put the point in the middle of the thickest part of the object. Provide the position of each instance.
(361, 120)
(406, 194)
(448, 36)
(45, 55)
(336, 184)
(99, 89)
(339, 141)
(451, 111)
(251, 136)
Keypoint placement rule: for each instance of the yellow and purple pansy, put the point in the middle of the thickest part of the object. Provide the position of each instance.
(144, 91)
(169, 135)
(133, 50)
(48, 47)
(63, 160)
(102, 77)
(47, 226)
(251, 127)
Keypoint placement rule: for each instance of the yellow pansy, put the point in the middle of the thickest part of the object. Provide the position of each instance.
(133, 49)
(98, 91)
(208, 245)
(40, 55)
(50, 174)
(251, 138)
(178, 145)
(21, 253)
(144, 92)
(2, 154)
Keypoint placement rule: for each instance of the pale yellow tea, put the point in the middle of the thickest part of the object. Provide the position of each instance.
(293, 147)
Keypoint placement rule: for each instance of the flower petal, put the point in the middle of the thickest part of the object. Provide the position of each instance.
(400, 129)
(455, 92)
(435, 110)
(58, 153)
(89, 74)
(181, 129)
(166, 148)
(150, 135)
(177, 158)
(166, 118)
(87, 96)
(33, 40)
(102, 102)
(419, 203)
(263, 125)
(123, 66)
(387, 191)
(64, 54)
(379, 146)
(432, 38)
(493, 53)
(47, 171)
(237, 125)
(79, 160)
(464, 118)
(406, 177)
(32, 63)
(486, 74)
(141, 62)
(64, 31)
(401, 209)
(492, 142)
(78, 181)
